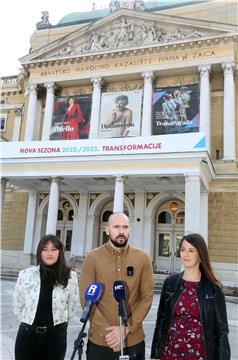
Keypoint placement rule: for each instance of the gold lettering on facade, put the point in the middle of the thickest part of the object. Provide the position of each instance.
(203, 53)
(55, 72)
(131, 62)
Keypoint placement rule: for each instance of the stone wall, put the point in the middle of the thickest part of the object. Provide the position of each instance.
(14, 219)
(223, 227)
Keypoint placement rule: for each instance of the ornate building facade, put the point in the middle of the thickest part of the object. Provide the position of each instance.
(131, 108)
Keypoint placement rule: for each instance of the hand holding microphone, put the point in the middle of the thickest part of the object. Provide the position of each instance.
(119, 293)
(92, 295)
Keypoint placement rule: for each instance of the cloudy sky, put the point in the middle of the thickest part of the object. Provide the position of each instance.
(18, 20)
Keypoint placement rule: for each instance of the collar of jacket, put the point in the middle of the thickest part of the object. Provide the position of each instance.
(113, 250)
(179, 284)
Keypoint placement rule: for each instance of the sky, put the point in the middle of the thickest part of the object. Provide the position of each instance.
(18, 20)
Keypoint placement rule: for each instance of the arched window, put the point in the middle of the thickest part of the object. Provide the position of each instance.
(164, 218)
(106, 215)
(68, 240)
(60, 215)
(180, 217)
(71, 215)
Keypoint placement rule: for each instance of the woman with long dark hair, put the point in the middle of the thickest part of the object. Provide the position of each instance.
(191, 319)
(44, 300)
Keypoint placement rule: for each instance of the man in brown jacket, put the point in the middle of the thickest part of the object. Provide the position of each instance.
(117, 260)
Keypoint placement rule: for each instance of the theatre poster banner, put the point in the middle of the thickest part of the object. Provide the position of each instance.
(71, 117)
(193, 142)
(120, 114)
(176, 110)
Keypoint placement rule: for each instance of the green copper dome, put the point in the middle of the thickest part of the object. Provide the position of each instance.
(79, 17)
(84, 16)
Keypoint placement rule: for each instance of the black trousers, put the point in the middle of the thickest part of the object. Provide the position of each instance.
(35, 344)
(96, 352)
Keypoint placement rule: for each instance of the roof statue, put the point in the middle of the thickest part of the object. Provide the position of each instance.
(44, 23)
(129, 4)
(139, 5)
(114, 5)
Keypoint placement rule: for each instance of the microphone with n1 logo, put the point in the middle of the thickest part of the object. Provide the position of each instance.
(119, 293)
(92, 295)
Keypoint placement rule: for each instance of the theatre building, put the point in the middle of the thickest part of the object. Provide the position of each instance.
(129, 108)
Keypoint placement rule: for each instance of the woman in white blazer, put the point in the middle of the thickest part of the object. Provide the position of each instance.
(45, 298)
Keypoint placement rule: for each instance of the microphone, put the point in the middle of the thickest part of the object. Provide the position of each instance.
(119, 294)
(92, 294)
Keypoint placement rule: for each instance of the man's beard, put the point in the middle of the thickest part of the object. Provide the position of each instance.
(119, 245)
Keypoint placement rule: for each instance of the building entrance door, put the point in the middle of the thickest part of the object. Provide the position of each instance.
(167, 251)
(169, 232)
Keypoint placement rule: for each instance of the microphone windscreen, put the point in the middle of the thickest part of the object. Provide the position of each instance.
(93, 292)
(119, 292)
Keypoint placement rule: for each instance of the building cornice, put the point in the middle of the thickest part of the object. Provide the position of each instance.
(151, 49)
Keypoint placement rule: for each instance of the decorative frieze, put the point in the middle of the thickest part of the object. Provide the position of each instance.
(124, 86)
(126, 34)
(92, 198)
(131, 198)
(150, 196)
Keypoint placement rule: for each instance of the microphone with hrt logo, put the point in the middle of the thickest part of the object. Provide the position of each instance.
(92, 295)
(119, 293)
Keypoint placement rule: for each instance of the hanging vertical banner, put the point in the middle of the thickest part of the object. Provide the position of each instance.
(176, 110)
(120, 114)
(71, 117)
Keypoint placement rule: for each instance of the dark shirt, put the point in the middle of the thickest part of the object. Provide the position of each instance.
(44, 315)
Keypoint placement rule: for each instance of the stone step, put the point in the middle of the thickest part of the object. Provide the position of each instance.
(159, 280)
(12, 274)
(9, 274)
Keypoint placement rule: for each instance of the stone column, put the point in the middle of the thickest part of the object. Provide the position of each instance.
(192, 204)
(149, 233)
(29, 230)
(205, 104)
(147, 104)
(229, 151)
(30, 121)
(96, 101)
(139, 215)
(92, 233)
(119, 194)
(17, 124)
(48, 111)
(3, 189)
(204, 215)
(53, 206)
(77, 248)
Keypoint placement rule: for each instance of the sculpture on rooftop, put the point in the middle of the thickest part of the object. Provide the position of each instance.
(129, 4)
(139, 5)
(44, 23)
(114, 5)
